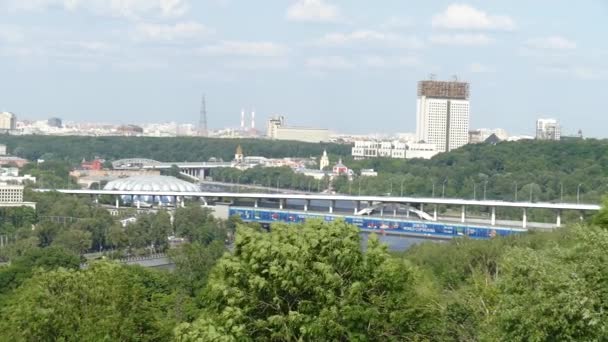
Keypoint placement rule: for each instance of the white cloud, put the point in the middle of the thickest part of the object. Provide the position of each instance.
(584, 73)
(11, 35)
(240, 48)
(329, 62)
(257, 64)
(551, 43)
(370, 37)
(397, 23)
(462, 16)
(368, 61)
(389, 62)
(162, 32)
(119, 8)
(464, 39)
(313, 10)
(479, 68)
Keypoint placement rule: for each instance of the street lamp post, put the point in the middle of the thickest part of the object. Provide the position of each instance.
(443, 187)
(474, 191)
(350, 187)
(359, 186)
(391, 188)
(309, 182)
(561, 192)
(238, 183)
(516, 188)
(578, 193)
(485, 186)
(402, 186)
(433, 193)
(278, 182)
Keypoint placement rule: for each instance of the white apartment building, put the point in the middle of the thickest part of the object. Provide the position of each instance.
(442, 114)
(548, 129)
(8, 121)
(364, 149)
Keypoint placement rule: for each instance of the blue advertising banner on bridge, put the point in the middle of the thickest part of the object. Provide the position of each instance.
(380, 225)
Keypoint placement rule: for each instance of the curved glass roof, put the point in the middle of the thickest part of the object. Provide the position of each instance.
(151, 183)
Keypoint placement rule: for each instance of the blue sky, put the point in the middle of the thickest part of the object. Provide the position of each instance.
(349, 65)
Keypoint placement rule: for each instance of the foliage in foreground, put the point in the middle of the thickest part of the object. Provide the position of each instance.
(311, 282)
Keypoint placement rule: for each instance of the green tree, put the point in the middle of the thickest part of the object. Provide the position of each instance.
(193, 263)
(75, 240)
(554, 294)
(24, 266)
(311, 282)
(106, 302)
(160, 230)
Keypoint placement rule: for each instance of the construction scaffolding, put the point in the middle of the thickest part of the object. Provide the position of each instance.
(444, 89)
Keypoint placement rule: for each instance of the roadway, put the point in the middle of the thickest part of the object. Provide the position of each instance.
(336, 197)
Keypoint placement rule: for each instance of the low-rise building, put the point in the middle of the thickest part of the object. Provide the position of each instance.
(481, 135)
(12, 196)
(368, 173)
(13, 161)
(364, 149)
(278, 130)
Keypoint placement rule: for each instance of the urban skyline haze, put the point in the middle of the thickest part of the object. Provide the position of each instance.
(337, 64)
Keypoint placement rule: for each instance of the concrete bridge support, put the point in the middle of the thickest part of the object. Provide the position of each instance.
(332, 205)
(493, 218)
(524, 221)
(463, 214)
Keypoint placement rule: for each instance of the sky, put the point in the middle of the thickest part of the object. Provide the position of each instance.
(348, 65)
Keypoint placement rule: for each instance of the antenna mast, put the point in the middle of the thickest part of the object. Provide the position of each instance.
(202, 123)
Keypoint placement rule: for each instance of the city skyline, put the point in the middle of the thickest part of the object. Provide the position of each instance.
(321, 63)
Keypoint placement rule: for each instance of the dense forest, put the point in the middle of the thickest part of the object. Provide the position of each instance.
(537, 170)
(524, 170)
(73, 149)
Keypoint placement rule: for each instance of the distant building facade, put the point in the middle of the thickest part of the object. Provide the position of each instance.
(364, 149)
(278, 130)
(481, 135)
(12, 161)
(12, 196)
(95, 165)
(442, 116)
(548, 129)
(54, 122)
(8, 121)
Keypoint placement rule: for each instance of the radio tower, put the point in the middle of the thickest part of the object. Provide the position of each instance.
(202, 123)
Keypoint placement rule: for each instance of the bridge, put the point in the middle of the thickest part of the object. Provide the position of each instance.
(193, 170)
(419, 204)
